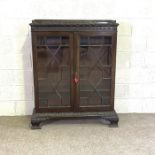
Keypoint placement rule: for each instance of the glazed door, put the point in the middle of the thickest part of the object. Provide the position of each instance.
(53, 53)
(94, 77)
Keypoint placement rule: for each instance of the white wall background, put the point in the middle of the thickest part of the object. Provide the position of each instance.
(135, 71)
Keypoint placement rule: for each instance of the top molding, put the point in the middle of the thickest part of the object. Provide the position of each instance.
(73, 25)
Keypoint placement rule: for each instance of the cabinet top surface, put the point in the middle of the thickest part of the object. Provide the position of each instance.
(46, 22)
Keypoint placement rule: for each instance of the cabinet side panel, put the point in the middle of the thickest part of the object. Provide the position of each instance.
(114, 42)
(35, 78)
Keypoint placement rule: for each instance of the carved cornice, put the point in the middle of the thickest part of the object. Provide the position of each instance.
(74, 25)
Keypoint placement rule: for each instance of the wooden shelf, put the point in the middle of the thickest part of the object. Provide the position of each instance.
(105, 45)
(106, 90)
(106, 78)
(99, 66)
(64, 45)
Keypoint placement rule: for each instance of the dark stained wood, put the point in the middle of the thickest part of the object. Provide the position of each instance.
(35, 77)
(39, 119)
(46, 22)
(74, 25)
(74, 67)
(114, 42)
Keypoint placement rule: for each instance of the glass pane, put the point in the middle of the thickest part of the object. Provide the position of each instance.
(95, 40)
(95, 70)
(53, 66)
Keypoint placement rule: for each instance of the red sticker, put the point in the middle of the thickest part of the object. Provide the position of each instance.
(76, 79)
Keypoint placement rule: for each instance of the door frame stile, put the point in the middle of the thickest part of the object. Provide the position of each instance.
(76, 71)
(71, 39)
(35, 75)
(113, 68)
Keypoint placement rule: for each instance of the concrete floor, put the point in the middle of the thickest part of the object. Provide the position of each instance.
(134, 136)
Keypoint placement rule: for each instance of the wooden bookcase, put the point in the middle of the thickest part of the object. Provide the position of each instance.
(74, 69)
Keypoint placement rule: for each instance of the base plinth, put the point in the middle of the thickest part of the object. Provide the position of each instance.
(38, 119)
